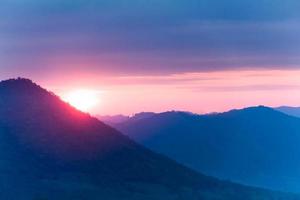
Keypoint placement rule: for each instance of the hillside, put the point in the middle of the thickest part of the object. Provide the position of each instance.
(51, 151)
(255, 146)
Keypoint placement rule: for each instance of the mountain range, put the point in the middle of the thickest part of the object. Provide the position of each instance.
(51, 151)
(117, 119)
(257, 146)
(292, 111)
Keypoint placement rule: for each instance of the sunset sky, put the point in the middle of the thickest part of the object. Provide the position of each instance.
(156, 55)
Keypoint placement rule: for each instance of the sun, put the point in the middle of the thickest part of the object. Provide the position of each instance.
(82, 99)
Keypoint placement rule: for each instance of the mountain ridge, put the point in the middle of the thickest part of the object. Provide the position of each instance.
(61, 153)
(233, 145)
(293, 111)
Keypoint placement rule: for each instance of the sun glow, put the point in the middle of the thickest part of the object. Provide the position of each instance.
(83, 100)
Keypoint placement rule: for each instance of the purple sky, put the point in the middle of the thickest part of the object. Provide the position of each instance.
(143, 44)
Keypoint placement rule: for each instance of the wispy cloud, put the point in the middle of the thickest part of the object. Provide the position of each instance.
(149, 37)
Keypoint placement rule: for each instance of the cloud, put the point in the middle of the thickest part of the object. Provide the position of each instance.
(148, 37)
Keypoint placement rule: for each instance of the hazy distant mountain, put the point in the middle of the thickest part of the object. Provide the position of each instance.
(257, 146)
(117, 119)
(142, 115)
(113, 119)
(51, 151)
(293, 111)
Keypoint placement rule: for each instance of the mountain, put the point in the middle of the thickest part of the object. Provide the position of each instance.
(255, 146)
(142, 115)
(117, 119)
(51, 151)
(293, 111)
(113, 119)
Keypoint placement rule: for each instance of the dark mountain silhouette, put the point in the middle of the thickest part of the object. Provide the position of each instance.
(51, 151)
(293, 111)
(257, 146)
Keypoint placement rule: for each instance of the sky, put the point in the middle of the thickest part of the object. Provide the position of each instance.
(157, 55)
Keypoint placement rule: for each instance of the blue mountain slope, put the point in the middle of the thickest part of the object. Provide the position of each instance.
(51, 151)
(257, 146)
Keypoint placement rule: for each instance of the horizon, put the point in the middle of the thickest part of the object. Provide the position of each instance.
(149, 99)
(144, 111)
(199, 56)
(116, 106)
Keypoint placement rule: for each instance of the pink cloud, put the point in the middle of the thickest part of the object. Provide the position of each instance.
(195, 92)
